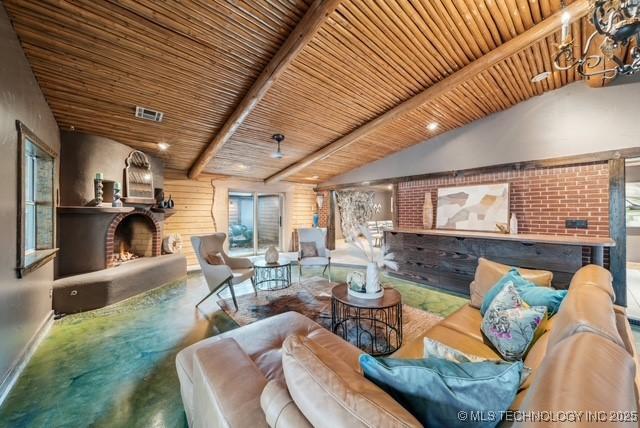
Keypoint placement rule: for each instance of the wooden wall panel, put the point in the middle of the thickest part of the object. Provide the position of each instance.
(193, 200)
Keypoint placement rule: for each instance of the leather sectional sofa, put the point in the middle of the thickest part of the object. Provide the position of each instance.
(288, 371)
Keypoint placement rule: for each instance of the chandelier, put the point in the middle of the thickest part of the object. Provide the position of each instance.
(618, 22)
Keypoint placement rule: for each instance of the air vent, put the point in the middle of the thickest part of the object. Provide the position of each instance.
(148, 114)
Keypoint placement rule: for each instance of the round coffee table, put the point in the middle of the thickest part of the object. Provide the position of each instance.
(272, 276)
(373, 325)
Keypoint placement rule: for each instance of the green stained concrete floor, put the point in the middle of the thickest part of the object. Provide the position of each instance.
(115, 367)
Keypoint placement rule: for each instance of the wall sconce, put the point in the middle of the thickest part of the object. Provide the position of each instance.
(320, 201)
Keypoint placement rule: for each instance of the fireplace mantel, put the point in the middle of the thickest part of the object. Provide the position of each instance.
(94, 210)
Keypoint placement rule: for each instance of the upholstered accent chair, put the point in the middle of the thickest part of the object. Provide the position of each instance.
(234, 270)
(318, 236)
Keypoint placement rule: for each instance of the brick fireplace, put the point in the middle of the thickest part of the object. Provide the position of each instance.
(132, 235)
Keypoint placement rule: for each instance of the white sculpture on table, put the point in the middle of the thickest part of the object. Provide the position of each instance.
(375, 261)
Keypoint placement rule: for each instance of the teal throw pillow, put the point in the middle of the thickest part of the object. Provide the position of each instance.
(532, 294)
(511, 325)
(443, 393)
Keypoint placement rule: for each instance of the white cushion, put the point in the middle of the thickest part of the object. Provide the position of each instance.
(314, 261)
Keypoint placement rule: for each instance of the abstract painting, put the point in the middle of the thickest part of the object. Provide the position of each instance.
(475, 208)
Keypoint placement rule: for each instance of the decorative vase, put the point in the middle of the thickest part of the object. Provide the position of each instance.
(427, 211)
(373, 278)
(98, 188)
(316, 219)
(271, 256)
(513, 225)
(117, 202)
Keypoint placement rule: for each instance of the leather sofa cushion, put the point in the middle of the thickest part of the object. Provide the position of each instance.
(261, 341)
(331, 394)
(534, 358)
(586, 372)
(488, 273)
(628, 338)
(279, 409)
(340, 349)
(585, 308)
(595, 276)
(227, 387)
(453, 338)
(465, 320)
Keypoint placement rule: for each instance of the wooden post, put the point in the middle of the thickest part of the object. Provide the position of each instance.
(618, 229)
(331, 222)
(395, 217)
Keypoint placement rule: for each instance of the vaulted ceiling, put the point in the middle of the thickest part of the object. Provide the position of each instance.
(195, 61)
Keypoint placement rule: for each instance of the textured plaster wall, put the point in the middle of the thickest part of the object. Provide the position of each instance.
(24, 303)
(84, 155)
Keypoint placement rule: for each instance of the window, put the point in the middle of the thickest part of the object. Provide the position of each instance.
(30, 200)
(35, 202)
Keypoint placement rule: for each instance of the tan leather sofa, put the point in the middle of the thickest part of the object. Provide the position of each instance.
(287, 371)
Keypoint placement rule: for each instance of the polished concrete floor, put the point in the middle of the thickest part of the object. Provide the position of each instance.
(114, 367)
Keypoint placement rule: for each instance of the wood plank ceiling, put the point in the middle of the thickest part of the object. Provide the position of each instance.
(96, 60)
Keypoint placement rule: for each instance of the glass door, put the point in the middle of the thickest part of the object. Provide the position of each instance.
(241, 223)
(632, 198)
(269, 222)
(255, 222)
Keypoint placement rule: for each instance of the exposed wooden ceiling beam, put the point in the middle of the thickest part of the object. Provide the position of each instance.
(547, 27)
(313, 19)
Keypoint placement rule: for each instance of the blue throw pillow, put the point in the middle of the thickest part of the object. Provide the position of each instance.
(511, 325)
(443, 393)
(532, 294)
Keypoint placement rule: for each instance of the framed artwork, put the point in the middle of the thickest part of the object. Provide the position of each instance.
(473, 208)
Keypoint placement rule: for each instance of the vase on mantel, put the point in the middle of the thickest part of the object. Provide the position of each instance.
(427, 212)
(513, 225)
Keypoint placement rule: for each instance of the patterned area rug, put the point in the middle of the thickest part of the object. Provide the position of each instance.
(312, 298)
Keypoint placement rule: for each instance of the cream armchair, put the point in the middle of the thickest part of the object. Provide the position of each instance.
(234, 271)
(319, 237)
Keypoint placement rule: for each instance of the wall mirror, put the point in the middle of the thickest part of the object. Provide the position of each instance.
(36, 204)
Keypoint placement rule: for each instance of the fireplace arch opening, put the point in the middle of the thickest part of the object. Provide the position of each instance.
(132, 236)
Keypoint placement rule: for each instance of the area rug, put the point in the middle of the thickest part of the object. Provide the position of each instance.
(312, 298)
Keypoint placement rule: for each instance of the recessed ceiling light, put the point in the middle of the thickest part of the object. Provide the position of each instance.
(540, 77)
(241, 166)
(163, 146)
(313, 177)
(432, 126)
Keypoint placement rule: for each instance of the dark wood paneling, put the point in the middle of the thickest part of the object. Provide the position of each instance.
(331, 222)
(618, 229)
(450, 262)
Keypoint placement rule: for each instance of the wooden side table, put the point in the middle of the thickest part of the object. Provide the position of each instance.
(373, 325)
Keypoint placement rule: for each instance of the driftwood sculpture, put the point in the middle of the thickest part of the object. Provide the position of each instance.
(355, 208)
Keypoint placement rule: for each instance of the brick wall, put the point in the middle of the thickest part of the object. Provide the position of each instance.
(542, 199)
(324, 212)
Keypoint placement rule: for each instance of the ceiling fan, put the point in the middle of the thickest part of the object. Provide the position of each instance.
(278, 154)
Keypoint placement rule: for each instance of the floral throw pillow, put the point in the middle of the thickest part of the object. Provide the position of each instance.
(511, 325)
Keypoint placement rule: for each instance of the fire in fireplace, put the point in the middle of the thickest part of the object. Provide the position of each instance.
(133, 238)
